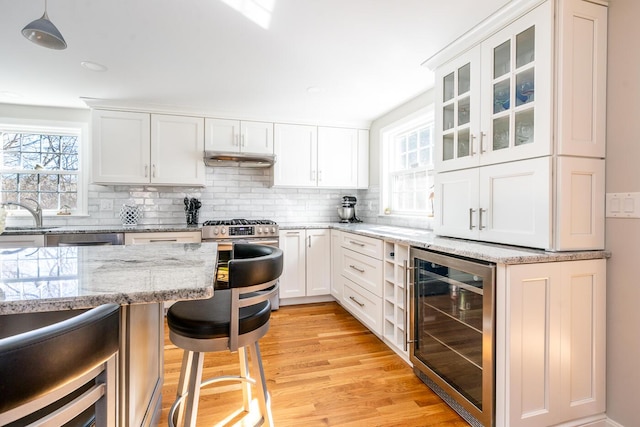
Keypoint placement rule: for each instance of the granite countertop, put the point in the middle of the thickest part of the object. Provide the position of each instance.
(64, 278)
(84, 229)
(501, 254)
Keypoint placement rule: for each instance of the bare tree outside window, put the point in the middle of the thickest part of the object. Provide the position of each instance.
(42, 166)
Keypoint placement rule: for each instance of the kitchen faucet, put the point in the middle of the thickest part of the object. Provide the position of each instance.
(36, 213)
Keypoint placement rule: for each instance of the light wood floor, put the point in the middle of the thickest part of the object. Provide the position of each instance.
(324, 369)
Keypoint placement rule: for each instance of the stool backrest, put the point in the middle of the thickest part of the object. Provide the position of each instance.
(254, 265)
(36, 365)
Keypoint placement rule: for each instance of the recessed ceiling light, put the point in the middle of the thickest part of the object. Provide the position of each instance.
(315, 89)
(9, 95)
(93, 66)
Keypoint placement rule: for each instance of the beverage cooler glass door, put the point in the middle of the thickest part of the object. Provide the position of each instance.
(452, 328)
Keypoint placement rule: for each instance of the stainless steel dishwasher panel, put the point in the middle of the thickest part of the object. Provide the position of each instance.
(84, 239)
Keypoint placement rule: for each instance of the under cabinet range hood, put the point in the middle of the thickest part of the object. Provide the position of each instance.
(247, 160)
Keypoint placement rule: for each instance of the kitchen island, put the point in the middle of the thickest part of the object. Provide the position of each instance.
(40, 285)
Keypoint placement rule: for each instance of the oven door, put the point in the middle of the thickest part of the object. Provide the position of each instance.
(224, 255)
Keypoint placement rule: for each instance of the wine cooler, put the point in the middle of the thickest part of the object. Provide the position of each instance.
(452, 331)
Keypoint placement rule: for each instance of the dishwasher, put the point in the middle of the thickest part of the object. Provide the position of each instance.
(84, 239)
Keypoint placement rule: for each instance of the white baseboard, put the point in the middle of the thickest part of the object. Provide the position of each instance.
(305, 300)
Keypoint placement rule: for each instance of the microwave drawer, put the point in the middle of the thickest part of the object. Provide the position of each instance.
(362, 244)
(363, 270)
(365, 306)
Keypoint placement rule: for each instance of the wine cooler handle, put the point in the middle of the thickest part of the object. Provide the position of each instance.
(408, 303)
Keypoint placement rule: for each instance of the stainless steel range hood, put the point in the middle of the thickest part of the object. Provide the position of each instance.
(247, 160)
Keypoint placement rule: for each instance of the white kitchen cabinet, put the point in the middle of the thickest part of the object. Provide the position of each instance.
(531, 202)
(307, 264)
(361, 279)
(238, 136)
(497, 103)
(295, 147)
(162, 237)
(550, 343)
(22, 241)
(337, 157)
(310, 156)
(143, 148)
(395, 298)
(336, 264)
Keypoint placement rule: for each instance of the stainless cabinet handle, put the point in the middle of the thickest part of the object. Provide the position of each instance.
(242, 141)
(482, 135)
(309, 240)
(480, 219)
(153, 170)
(473, 137)
(359, 270)
(356, 243)
(356, 301)
(162, 240)
(146, 171)
(319, 175)
(471, 212)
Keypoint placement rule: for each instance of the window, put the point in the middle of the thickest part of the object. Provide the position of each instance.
(407, 166)
(41, 164)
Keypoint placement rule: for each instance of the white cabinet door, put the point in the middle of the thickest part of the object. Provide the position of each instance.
(363, 158)
(222, 135)
(336, 264)
(318, 261)
(120, 147)
(22, 241)
(516, 89)
(337, 157)
(177, 150)
(238, 136)
(456, 203)
(515, 203)
(256, 137)
(295, 149)
(293, 278)
(554, 352)
(457, 113)
(506, 203)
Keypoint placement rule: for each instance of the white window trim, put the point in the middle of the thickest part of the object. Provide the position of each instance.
(52, 126)
(387, 134)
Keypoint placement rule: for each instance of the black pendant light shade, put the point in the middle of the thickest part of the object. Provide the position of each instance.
(43, 33)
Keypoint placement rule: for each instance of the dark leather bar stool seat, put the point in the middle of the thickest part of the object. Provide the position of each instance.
(233, 319)
(62, 373)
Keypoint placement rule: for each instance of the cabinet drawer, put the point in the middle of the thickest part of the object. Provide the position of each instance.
(363, 270)
(22, 241)
(362, 244)
(162, 237)
(365, 306)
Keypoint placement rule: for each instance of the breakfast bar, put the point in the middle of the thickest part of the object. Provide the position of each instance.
(44, 285)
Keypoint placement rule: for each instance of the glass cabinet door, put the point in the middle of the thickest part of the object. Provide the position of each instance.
(516, 106)
(458, 112)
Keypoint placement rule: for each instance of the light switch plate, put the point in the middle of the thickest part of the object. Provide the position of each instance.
(623, 205)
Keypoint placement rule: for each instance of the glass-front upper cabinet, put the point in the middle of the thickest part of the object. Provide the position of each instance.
(516, 90)
(458, 112)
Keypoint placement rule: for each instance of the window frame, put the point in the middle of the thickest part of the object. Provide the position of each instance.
(388, 134)
(44, 126)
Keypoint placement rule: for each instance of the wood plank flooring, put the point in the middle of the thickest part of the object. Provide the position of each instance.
(324, 369)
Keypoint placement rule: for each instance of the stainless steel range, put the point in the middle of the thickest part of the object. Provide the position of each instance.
(226, 232)
(257, 231)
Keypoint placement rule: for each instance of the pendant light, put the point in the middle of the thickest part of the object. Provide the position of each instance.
(43, 33)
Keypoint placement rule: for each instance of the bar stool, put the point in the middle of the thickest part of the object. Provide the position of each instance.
(233, 319)
(62, 373)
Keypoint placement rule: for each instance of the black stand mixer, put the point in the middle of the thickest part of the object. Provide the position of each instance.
(347, 211)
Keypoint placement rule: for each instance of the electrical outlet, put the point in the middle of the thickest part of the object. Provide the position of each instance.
(106, 205)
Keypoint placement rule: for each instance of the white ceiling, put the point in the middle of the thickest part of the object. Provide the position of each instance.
(207, 56)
